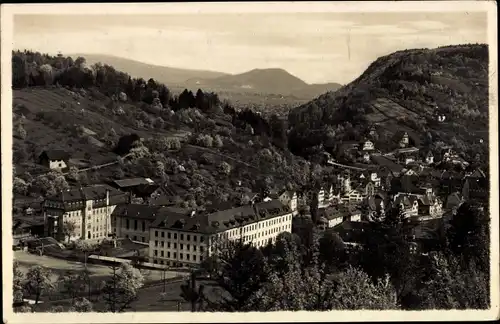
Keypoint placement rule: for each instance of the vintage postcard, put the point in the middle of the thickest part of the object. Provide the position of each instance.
(249, 162)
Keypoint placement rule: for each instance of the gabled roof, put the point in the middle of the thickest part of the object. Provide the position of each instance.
(124, 183)
(56, 155)
(478, 173)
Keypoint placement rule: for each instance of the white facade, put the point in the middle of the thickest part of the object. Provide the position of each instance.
(92, 218)
(174, 247)
(368, 146)
(57, 164)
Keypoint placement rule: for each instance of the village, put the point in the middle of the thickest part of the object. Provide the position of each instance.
(139, 220)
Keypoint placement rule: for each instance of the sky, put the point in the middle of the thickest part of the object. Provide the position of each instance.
(316, 47)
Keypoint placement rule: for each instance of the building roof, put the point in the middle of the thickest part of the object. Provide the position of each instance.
(385, 162)
(136, 211)
(407, 150)
(221, 220)
(56, 154)
(94, 192)
(453, 200)
(125, 183)
(478, 173)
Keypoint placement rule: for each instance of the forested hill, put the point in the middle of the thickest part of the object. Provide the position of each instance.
(406, 90)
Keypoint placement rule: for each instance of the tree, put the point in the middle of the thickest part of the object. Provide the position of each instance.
(121, 289)
(73, 284)
(468, 235)
(38, 282)
(20, 132)
(240, 274)
(20, 186)
(218, 141)
(225, 168)
(85, 247)
(81, 305)
(69, 229)
(353, 289)
(454, 285)
(332, 250)
(18, 283)
(193, 293)
(73, 174)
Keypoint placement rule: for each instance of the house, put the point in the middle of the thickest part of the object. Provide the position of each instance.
(186, 240)
(408, 203)
(21, 231)
(143, 188)
(290, 199)
(353, 196)
(406, 139)
(88, 208)
(54, 159)
(453, 201)
(366, 157)
(475, 188)
(429, 158)
(429, 206)
(329, 217)
(368, 146)
(353, 234)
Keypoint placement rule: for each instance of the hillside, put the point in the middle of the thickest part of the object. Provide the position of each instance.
(204, 158)
(138, 69)
(406, 90)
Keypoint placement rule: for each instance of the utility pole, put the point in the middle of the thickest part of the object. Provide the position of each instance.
(193, 290)
(164, 279)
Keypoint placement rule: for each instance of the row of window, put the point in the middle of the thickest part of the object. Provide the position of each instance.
(172, 263)
(187, 256)
(136, 223)
(181, 236)
(181, 246)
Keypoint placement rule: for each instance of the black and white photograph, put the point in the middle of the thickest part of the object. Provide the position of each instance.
(286, 159)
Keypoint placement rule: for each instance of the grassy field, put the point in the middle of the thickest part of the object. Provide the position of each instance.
(60, 267)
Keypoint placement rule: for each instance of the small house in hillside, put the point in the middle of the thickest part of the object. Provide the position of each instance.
(368, 146)
(429, 158)
(54, 159)
(406, 139)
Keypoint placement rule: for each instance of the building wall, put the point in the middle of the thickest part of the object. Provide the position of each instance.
(181, 248)
(57, 164)
(334, 222)
(91, 223)
(134, 228)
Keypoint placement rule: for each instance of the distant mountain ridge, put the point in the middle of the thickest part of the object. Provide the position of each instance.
(266, 81)
(164, 74)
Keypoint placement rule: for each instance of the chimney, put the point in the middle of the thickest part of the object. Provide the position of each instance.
(107, 197)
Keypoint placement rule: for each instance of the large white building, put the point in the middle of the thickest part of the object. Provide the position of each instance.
(88, 209)
(186, 240)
